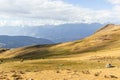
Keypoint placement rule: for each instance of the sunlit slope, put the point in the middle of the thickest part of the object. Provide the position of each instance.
(107, 38)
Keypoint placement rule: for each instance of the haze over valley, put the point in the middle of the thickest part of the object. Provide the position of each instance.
(61, 33)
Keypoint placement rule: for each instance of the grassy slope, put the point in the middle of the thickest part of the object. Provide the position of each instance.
(105, 39)
(104, 42)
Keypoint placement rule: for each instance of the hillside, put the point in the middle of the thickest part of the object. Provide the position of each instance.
(20, 41)
(56, 33)
(66, 61)
(106, 39)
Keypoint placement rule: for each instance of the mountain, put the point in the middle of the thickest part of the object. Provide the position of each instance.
(60, 33)
(106, 39)
(20, 41)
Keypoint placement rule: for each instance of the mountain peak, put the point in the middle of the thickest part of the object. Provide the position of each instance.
(109, 27)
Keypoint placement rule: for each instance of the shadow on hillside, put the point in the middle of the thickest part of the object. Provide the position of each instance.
(45, 53)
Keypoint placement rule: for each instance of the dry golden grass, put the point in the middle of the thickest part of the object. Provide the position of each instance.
(107, 38)
(79, 60)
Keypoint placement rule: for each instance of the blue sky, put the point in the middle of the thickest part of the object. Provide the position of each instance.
(56, 12)
(94, 4)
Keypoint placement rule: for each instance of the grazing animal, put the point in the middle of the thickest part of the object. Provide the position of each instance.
(108, 65)
(21, 60)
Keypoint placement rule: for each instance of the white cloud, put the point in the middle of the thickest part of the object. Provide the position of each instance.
(50, 12)
(114, 1)
(115, 11)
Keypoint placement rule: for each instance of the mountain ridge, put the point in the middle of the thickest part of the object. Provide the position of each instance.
(20, 41)
(58, 33)
(103, 40)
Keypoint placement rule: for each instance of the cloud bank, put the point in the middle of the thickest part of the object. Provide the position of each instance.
(53, 12)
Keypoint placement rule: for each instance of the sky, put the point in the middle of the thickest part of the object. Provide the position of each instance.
(57, 12)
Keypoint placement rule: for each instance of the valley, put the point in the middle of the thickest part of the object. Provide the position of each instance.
(84, 59)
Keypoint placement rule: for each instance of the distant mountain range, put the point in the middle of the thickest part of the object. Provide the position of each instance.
(20, 41)
(61, 33)
(105, 43)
